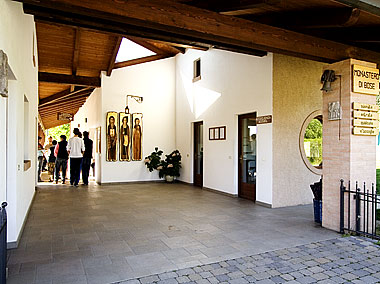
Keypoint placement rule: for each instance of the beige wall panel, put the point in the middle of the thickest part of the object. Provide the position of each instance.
(296, 94)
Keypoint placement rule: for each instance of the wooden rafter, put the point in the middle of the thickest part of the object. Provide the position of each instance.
(76, 51)
(114, 54)
(141, 60)
(65, 95)
(69, 79)
(190, 24)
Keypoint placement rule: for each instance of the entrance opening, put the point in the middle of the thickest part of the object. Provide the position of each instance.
(198, 154)
(247, 156)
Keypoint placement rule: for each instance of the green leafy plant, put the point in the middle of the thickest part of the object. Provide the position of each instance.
(168, 167)
(153, 161)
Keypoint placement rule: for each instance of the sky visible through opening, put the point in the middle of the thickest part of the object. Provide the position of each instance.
(129, 50)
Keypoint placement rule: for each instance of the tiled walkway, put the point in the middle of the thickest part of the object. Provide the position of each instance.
(105, 234)
(343, 260)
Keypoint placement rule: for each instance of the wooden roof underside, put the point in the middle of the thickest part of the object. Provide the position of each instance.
(71, 60)
(323, 30)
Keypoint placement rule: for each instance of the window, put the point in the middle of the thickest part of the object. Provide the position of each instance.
(310, 142)
(197, 70)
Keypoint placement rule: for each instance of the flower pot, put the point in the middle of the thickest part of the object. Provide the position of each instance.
(169, 178)
(317, 211)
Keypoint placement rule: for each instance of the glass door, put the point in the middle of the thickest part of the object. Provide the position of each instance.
(198, 154)
(247, 156)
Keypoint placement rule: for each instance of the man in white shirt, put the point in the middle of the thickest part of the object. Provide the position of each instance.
(75, 148)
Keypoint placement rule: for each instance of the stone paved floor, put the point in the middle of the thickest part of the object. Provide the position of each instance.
(104, 234)
(342, 260)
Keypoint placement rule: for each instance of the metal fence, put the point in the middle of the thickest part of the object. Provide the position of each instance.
(3, 243)
(359, 210)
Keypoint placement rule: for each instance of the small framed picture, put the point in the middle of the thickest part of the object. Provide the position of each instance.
(211, 134)
(222, 133)
(216, 133)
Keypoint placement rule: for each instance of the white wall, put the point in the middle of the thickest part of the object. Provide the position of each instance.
(155, 82)
(16, 39)
(231, 84)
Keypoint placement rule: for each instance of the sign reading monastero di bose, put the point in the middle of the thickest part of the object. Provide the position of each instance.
(365, 80)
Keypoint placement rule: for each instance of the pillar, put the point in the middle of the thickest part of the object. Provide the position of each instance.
(346, 155)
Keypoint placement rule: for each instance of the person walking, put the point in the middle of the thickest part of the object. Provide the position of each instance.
(51, 161)
(62, 157)
(75, 148)
(40, 155)
(87, 157)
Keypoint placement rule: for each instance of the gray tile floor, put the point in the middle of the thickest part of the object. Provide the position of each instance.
(104, 234)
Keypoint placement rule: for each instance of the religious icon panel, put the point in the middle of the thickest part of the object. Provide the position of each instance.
(125, 137)
(137, 136)
(112, 136)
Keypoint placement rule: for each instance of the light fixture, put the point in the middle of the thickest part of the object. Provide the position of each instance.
(136, 98)
(328, 76)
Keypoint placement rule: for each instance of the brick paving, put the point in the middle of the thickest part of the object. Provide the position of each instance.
(341, 260)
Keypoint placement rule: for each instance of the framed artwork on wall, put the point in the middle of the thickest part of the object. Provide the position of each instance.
(137, 132)
(217, 133)
(98, 140)
(125, 137)
(112, 136)
(211, 133)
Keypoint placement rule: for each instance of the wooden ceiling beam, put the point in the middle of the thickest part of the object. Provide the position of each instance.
(66, 99)
(163, 19)
(69, 79)
(60, 95)
(76, 51)
(372, 7)
(145, 44)
(114, 55)
(141, 60)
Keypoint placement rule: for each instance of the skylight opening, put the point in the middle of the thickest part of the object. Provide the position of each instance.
(129, 50)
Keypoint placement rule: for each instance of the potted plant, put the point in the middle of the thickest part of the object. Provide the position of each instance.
(168, 168)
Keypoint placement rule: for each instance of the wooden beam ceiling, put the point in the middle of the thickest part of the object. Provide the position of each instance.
(69, 79)
(114, 54)
(76, 51)
(176, 22)
(63, 95)
(141, 60)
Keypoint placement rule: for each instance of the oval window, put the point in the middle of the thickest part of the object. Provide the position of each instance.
(311, 142)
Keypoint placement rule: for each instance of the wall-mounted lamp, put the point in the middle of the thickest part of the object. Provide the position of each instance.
(136, 98)
(328, 76)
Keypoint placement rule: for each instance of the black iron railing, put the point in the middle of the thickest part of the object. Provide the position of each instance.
(359, 210)
(3, 243)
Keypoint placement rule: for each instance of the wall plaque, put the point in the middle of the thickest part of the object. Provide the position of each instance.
(367, 107)
(366, 123)
(64, 116)
(365, 131)
(335, 111)
(3, 74)
(264, 119)
(365, 80)
(365, 114)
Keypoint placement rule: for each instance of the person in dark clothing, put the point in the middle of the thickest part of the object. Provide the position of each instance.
(51, 161)
(62, 157)
(40, 155)
(87, 157)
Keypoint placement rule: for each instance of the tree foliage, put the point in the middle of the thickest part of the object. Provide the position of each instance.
(59, 130)
(314, 129)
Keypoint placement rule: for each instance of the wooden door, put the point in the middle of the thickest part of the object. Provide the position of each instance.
(247, 156)
(198, 154)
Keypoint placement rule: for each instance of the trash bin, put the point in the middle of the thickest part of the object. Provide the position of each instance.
(317, 211)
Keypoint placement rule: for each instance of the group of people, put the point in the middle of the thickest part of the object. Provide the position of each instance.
(78, 150)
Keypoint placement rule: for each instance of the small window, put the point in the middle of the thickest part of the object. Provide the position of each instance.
(197, 70)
